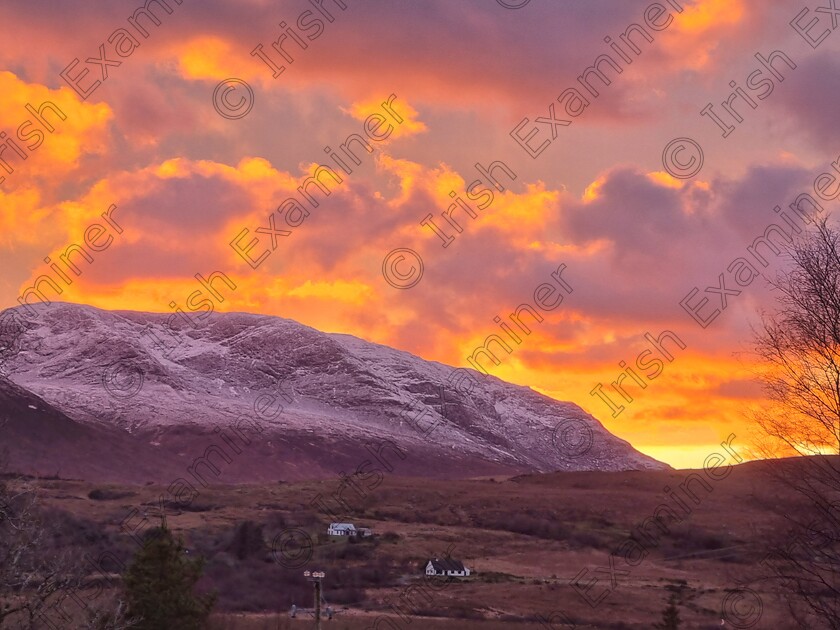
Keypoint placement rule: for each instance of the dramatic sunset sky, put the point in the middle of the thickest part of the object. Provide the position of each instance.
(186, 181)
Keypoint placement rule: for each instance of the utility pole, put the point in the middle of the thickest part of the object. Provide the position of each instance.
(318, 605)
(315, 577)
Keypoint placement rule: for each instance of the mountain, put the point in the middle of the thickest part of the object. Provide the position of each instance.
(237, 397)
(38, 439)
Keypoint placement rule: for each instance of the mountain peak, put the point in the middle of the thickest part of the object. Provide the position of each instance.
(315, 403)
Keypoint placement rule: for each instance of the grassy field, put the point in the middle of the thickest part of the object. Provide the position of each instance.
(525, 539)
(366, 623)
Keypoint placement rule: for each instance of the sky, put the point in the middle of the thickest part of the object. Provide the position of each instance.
(171, 147)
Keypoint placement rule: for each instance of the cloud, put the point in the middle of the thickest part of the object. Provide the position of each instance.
(702, 28)
(743, 389)
(54, 136)
(186, 181)
(405, 115)
(809, 97)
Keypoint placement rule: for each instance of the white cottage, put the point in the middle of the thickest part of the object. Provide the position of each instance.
(447, 567)
(348, 529)
(341, 529)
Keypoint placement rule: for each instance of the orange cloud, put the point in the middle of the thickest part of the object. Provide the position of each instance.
(706, 15)
(409, 126)
(78, 129)
(212, 58)
(701, 28)
(353, 292)
(22, 216)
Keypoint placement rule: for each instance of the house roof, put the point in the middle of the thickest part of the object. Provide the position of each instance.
(447, 564)
(342, 526)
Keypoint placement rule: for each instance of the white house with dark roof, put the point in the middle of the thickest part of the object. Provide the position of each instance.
(341, 529)
(447, 567)
(348, 529)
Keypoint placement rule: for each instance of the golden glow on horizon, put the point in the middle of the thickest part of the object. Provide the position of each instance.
(357, 293)
(693, 457)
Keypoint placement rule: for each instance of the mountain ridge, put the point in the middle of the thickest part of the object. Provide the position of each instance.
(318, 399)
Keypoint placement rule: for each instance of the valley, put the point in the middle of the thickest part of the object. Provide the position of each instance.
(526, 539)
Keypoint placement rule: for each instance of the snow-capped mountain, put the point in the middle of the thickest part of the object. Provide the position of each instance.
(271, 398)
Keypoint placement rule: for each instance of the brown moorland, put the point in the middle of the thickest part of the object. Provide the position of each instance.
(525, 539)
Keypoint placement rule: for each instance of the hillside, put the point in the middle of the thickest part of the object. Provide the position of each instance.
(238, 397)
(525, 538)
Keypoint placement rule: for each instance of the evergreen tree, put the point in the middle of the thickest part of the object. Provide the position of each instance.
(159, 585)
(670, 616)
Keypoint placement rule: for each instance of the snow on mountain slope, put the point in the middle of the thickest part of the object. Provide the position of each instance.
(172, 385)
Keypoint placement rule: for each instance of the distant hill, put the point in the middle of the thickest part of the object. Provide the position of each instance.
(124, 395)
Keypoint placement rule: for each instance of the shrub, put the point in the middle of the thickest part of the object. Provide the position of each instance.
(106, 494)
(185, 506)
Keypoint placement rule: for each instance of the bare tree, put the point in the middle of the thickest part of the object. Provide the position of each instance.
(799, 349)
(39, 583)
(29, 581)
